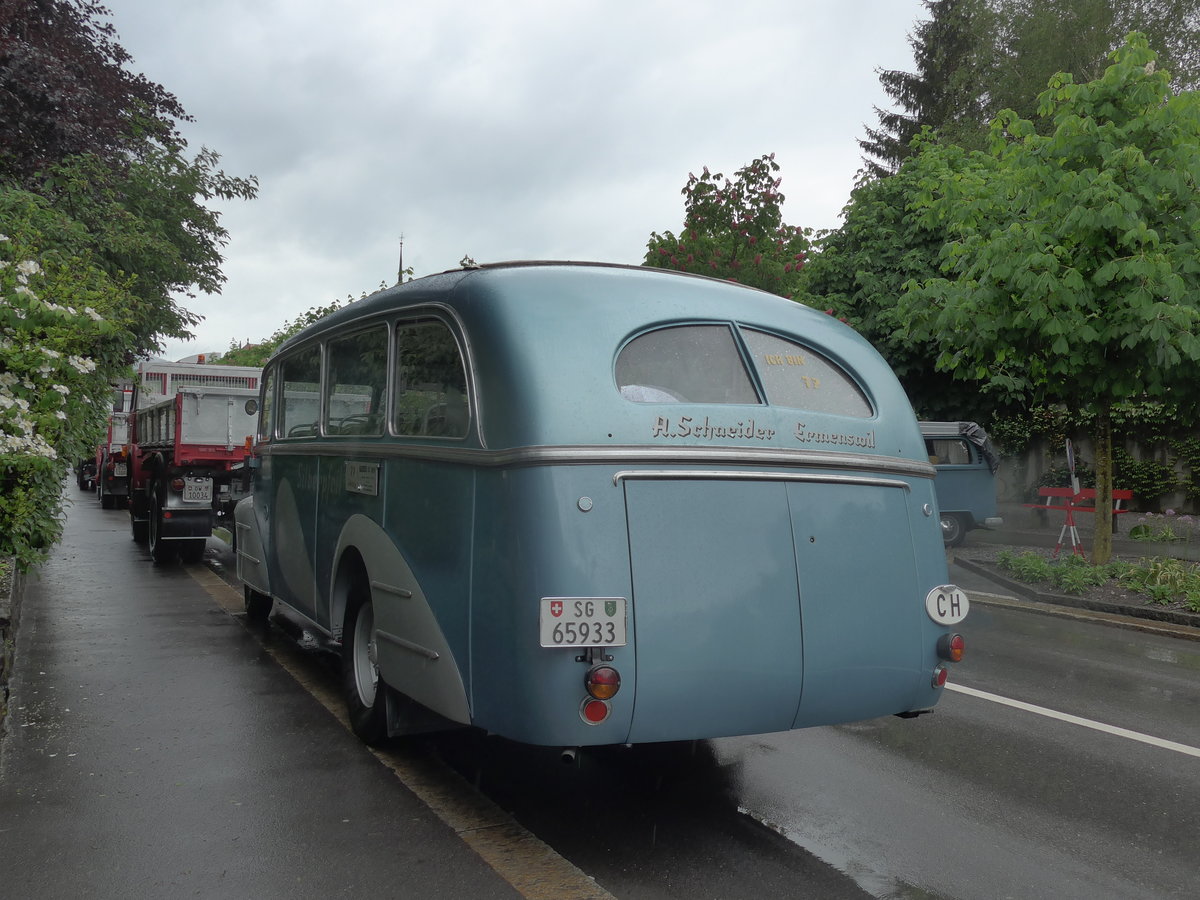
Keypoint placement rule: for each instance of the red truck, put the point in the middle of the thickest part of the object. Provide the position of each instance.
(189, 437)
(112, 455)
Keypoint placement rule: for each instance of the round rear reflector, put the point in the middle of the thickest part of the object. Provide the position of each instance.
(602, 682)
(594, 711)
(940, 673)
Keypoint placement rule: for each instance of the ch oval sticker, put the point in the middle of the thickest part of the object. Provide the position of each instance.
(947, 604)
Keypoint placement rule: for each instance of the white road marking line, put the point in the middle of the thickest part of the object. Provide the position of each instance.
(1076, 720)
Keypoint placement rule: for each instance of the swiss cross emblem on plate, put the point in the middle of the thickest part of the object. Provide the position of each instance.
(556, 608)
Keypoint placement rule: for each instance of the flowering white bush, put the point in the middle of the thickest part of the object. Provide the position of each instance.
(52, 393)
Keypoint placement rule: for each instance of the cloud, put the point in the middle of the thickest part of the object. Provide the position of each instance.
(524, 129)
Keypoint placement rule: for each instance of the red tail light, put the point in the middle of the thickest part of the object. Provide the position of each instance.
(602, 682)
(951, 647)
(940, 673)
(177, 484)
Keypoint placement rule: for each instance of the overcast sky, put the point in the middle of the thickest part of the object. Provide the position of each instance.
(521, 129)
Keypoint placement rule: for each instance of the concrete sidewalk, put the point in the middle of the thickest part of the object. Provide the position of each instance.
(154, 749)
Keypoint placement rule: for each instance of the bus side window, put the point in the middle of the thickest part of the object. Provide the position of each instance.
(357, 382)
(301, 376)
(431, 382)
(266, 415)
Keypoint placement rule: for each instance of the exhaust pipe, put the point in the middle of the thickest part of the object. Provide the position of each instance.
(568, 755)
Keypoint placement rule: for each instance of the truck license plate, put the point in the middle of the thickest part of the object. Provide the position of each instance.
(197, 490)
(582, 622)
(119, 470)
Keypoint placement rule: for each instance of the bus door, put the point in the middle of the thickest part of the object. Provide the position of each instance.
(715, 608)
(860, 598)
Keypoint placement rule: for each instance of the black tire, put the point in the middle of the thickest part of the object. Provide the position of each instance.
(954, 529)
(364, 690)
(191, 551)
(258, 605)
(107, 501)
(141, 530)
(160, 551)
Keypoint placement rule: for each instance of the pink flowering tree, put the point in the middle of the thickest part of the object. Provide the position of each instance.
(734, 229)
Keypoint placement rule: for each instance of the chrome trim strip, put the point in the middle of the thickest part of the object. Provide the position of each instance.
(244, 555)
(407, 645)
(389, 589)
(623, 454)
(717, 475)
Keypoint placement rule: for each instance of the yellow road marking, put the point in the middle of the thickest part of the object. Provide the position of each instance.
(520, 858)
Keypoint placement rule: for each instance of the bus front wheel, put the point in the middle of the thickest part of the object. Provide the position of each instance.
(365, 691)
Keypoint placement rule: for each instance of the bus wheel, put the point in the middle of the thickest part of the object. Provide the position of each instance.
(160, 551)
(953, 529)
(258, 605)
(365, 691)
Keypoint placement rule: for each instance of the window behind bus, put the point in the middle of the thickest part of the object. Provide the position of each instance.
(684, 364)
(266, 416)
(356, 382)
(801, 378)
(948, 451)
(301, 377)
(431, 381)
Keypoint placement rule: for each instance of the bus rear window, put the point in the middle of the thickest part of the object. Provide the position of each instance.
(801, 378)
(684, 364)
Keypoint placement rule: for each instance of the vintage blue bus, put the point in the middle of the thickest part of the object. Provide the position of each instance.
(577, 504)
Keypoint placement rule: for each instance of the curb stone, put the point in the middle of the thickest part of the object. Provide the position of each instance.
(1028, 592)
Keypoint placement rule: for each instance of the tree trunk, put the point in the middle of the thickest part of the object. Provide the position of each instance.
(1102, 540)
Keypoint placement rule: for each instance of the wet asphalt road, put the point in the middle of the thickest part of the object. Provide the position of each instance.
(200, 767)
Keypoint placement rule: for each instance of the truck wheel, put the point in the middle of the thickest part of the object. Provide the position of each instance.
(258, 605)
(954, 529)
(106, 500)
(365, 691)
(191, 551)
(160, 551)
(141, 530)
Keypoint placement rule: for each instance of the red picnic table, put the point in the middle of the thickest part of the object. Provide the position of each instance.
(1084, 501)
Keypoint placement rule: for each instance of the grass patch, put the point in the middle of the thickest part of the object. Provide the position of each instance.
(1163, 580)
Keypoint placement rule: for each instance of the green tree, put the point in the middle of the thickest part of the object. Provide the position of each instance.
(257, 354)
(945, 92)
(975, 58)
(1075, 275)
(735, 230)
(101, 146)
(859, 271)
(66, 89)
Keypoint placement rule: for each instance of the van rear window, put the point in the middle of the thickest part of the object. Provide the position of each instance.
(685, 364)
